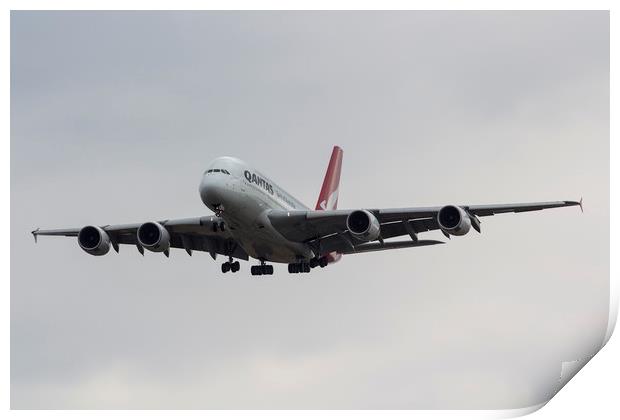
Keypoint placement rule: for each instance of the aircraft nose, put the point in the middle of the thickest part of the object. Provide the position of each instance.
(212, 191)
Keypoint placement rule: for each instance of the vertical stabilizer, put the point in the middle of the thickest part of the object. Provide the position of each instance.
(328, 198)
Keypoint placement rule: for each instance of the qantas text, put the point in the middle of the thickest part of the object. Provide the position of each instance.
(258, 180)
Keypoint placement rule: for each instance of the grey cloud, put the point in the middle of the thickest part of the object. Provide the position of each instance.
(115, 115)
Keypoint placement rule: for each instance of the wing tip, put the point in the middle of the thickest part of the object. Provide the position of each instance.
(35, 234)
(575, 203)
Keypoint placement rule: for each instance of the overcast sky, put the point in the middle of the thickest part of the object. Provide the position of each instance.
(114, 117)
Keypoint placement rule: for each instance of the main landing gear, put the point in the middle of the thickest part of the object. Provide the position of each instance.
(305, 267)
(230, 265)
(262, 269)
(300, 267)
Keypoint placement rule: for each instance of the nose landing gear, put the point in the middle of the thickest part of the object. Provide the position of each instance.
(219, 209)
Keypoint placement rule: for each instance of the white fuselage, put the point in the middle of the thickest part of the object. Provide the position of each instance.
(243, 197)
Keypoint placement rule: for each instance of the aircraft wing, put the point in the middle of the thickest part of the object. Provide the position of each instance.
(207, 233)
(376, 246)
(328, 228)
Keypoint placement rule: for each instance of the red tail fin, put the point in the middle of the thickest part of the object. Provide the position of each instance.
(328, 199)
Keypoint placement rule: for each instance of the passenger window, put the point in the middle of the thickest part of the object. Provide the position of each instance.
(216, 170)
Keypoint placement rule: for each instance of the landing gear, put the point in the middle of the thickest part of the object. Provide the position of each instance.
(219, 209)
(300, 267)
(232, 266)
(262, 269)
(305, 267)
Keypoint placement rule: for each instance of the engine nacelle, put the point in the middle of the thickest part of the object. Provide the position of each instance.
(154, 237)
(94, 240)
(454, 220)
(363, 225)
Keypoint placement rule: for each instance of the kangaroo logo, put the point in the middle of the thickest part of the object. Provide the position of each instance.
(332, 200)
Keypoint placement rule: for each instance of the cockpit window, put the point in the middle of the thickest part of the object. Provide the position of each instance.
(224, 171)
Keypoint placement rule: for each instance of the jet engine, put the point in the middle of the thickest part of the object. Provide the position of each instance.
(94, 240)
(363, 225)
(154, 237)
(453, 220)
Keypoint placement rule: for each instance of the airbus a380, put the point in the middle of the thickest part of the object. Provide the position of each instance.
(253, 217)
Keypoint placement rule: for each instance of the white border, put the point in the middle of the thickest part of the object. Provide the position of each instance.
(598, 377)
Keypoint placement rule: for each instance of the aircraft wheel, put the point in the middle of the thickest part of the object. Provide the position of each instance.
(267, 269)
(234, 267)
(226, 267)
(256, 270)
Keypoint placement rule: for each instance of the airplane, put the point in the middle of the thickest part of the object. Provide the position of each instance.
(255, 218)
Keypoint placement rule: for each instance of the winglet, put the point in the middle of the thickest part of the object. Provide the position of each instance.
(35, 233)
(581, 204)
